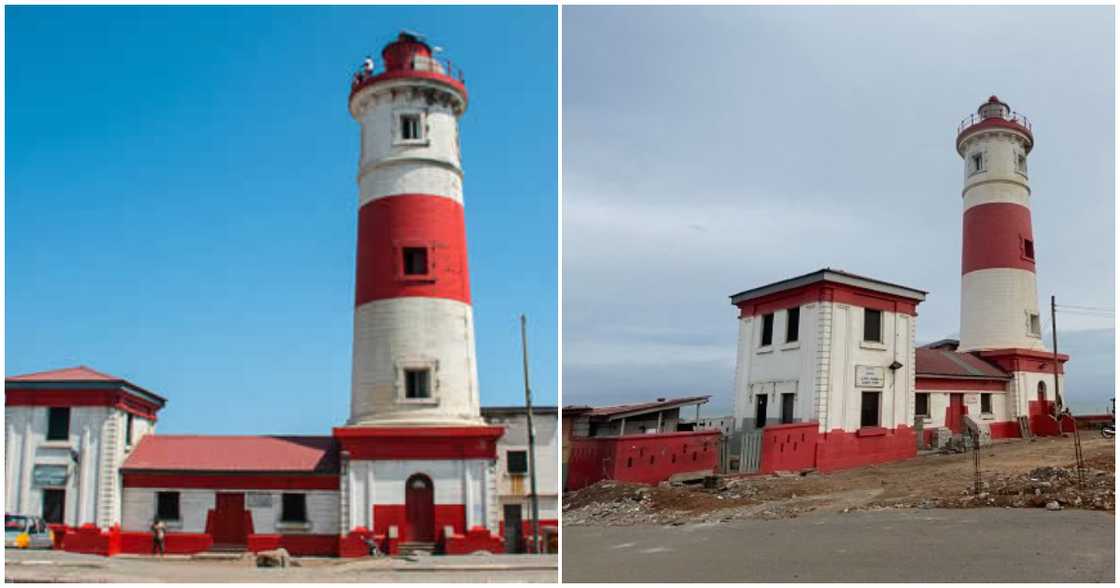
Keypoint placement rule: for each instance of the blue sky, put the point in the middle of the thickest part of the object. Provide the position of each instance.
(723, 148)
(181, 201)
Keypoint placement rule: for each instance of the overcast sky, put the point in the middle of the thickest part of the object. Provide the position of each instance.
(711, 150)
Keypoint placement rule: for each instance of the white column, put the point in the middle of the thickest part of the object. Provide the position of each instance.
(86, 454)
(25, 466)
(11, 469)
(368, 506)
(469, 499)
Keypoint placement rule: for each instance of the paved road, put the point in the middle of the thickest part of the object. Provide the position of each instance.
(57, 566)
(975, 545)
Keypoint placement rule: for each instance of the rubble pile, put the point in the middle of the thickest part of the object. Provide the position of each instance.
(1051, 487)
(621, 503)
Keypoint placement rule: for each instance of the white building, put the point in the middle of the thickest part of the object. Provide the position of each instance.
(513, 471)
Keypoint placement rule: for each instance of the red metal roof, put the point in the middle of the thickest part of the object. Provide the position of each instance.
(953, 364)
(612, 411)
(235, 453)
(79, 373)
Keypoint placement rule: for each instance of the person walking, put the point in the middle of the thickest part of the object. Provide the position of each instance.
(159, 534)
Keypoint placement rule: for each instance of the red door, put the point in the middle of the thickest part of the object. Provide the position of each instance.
(229, 520)
(420, 509)
(955, 412)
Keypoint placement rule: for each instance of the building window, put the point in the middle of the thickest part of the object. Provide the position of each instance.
(986, 404)
(1021, 163)
(869, 410)
(58, 423)
(787, 408)
(417, 383)
(873, 325)
(793, 324)
(410, 127)
(167, 506)
(1034, 324)
(415, 261)
(293, 508)
(1028, 249)
(128, 430)
(517, 462)
(54, 505)
(977, 162)
(921, 405)
(767, 329)
(1041, 394)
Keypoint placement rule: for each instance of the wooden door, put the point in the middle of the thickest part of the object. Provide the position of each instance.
(420, 509)
(512, 527)
(229, 519)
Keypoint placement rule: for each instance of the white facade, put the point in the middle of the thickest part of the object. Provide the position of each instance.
(514, 488)
(939, 404)
(263, 505)
(468, 482)
(91, 456)
(397, 333)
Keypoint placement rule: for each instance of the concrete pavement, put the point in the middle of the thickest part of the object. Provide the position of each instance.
(968, 545)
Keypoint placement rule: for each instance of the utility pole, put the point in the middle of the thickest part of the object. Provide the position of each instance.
(1058, 409)
(532, 442)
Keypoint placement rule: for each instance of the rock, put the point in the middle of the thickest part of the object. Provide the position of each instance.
(1053, 505)
(276, 558)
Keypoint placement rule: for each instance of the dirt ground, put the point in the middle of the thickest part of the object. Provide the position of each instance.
(1014, 474)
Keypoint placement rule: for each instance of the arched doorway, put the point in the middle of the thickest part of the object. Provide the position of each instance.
(420, 509)
(1042, 391)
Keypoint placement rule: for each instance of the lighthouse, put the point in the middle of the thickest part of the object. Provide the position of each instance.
(1000, 319)
(417, 460)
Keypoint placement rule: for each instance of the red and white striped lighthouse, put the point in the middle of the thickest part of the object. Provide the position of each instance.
(414, 352)
(999, 297)
(417, 460)
(1000, 319)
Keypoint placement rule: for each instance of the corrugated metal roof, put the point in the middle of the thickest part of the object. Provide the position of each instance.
(235, 453)
(953, 364)
(644, 407)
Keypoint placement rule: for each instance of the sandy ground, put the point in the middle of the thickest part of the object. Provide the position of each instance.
(1014, 473)
(58, 566)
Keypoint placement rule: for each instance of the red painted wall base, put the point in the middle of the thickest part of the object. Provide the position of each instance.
(90, 539)
(840, 450)
(140, 542)
(788, 448)
(644, 459)
(474, 540)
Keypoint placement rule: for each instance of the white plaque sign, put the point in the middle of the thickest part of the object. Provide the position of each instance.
(869, 376)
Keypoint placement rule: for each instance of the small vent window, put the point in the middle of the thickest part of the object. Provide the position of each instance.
(410, 127)
(417, 383)
(977, 163)
(1034, 325)
(415, 261)
(1021, 163)
(1028, 249)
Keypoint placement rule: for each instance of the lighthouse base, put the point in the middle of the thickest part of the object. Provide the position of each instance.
(424, 488)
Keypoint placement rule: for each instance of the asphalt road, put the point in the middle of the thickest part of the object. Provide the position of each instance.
(973, 545)
(58, 566)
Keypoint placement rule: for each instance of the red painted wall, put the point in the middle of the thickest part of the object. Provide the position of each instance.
(90, 539)
(789, 448)
(386, 515)
(475, 539)
(177, 543)
(301, 545)
(645, 459)
(993, 237)
(385, 225)
(419, 442)
(839, 450)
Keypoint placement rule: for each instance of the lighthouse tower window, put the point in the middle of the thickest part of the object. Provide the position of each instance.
(410, 127)
(417, 383)
(415, 261)
(977, 163)
(1034, 325)
(1028, 249)
(1021, 163)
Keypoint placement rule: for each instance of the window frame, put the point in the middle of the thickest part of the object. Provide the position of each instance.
(1034, 324)
(793, 324)
(52, 423)
(926, 397)
(766, 332)
(427, 381)
(1027, 246)
(160, 495)
(285, 514)
(783, 417)
(878, 313)
(986, 398)
(976, 163)
(400, 116)
(523, 455)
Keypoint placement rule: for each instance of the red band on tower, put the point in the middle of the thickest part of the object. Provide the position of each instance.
(390, 228)
(997, 235)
